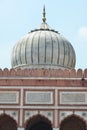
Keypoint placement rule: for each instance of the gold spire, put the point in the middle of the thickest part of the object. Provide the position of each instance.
(44, 13)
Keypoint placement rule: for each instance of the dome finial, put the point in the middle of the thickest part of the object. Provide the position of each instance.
(44, 13)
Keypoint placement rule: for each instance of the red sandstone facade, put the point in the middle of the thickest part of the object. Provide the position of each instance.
(65, 94)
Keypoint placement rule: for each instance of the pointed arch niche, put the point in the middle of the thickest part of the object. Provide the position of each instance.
(7, 123)
(38, 122)
(73, 122)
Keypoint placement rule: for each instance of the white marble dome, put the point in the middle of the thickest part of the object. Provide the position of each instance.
(43, 48)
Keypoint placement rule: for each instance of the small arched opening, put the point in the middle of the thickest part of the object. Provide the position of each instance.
(7, 123)
(73, 122)
(38, 122)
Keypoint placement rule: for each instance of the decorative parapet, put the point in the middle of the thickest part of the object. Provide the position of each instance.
(55, 73)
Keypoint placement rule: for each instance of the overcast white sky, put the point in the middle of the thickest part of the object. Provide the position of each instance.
(18, 17)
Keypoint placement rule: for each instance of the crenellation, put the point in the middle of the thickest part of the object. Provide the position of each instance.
(79, 73)
(6, 72)
(58, 73)
(26, 72)
(12, 72)
(85, 73)
(66, 73)
(33, 72)
(19, 72)
(1, 72)
(52, 72)
(73, 73)
(46, 73)
(39, 72)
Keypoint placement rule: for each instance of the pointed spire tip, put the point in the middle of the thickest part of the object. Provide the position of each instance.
(44, 15)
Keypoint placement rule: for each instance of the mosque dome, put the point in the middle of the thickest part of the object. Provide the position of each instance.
(43, 48)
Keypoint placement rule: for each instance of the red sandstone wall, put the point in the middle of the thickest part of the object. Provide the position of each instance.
(43, 77)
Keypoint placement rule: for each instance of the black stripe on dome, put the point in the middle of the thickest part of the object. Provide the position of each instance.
(52, 48)
(64, 51)
(38, 46)
(45, 49)
(32, 48)
(73, 57)
(68, 44)
(25, 50)
(20, 54)
(70, 59)
(58, 49)
(21, 50)
(16, 62)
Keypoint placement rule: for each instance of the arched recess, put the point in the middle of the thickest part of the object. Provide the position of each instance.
(73, 122)
(38, 122)
(7, 123)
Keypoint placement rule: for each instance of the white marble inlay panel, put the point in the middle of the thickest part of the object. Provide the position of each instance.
(9, 97)
(39, 97)
(68, 97)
